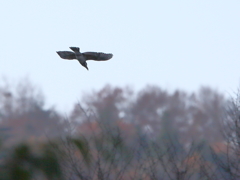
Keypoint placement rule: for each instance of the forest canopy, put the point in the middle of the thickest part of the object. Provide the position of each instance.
(176, 132)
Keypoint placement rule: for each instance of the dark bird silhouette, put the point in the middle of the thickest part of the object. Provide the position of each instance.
(83, 57)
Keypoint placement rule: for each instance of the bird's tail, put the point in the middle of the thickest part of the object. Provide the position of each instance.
(75, 49)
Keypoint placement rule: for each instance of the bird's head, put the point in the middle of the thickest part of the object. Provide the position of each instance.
(75, 49)
(85, 65)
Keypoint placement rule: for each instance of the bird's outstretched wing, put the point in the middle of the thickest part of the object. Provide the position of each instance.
(97, 56)
(66, 54)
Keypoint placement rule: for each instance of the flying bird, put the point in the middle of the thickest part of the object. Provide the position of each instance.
(83, 57)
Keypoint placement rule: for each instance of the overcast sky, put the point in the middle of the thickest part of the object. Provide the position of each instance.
(173, 44)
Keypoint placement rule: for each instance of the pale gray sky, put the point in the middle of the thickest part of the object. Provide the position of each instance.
(173, 44)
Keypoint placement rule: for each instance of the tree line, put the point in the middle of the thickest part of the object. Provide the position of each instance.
(116, 133)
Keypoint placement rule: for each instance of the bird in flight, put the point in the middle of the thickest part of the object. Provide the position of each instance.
(83, 57)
